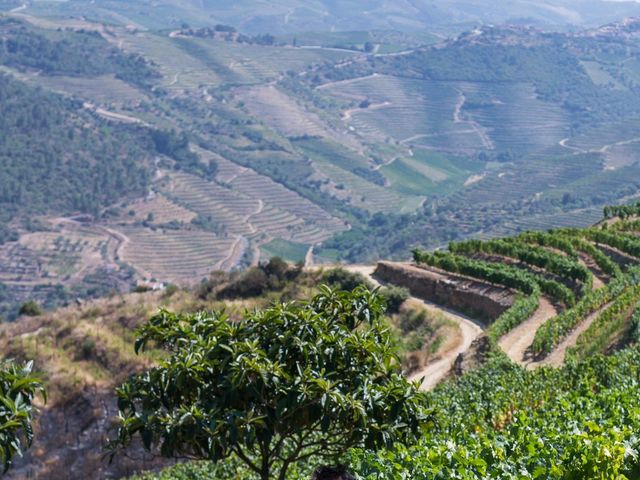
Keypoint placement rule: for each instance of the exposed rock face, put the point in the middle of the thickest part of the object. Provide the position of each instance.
(70, 443)
(459, 293)
(474, 357)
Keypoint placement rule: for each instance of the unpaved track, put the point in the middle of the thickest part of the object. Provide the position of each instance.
(235, 255)
(556, 358)
(438, 370)
(346, 82)
(516, 342)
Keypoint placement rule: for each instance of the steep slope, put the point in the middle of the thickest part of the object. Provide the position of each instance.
(86, 350)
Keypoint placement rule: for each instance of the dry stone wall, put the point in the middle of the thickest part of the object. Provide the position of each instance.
(452, 291)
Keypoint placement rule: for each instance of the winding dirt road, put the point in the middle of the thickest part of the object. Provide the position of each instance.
(436, 371)
(516, 342)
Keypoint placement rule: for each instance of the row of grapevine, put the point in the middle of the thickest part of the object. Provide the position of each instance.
(622, 211)
(599, 334)
(497, 273)
(571, 245)
(550, 239)
(554, 330)
(537, 256)
(503, 422)
(605, 264)
(625, 243)
(626, 226)
(559, 252)
(521, 310)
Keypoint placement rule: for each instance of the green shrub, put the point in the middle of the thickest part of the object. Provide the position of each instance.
(170, 290)
(88, 349)
(294, 381)
(345, 280)
(30, 309)
(394, 297)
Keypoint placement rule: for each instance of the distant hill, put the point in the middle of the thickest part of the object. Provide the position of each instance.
(529, 102)
(316, 147)
(322, 15)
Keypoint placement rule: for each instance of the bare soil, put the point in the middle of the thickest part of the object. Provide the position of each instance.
(516, 342)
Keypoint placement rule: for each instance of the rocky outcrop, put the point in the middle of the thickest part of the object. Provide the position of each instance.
(459, 293)
(474, 357)
(70, 441)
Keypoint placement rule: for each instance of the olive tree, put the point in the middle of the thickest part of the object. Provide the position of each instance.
(18, 389)
(289, 383)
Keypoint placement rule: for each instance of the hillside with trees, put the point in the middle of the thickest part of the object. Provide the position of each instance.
(222, 152)
(79, 53)
(56, 158)
(294, 16)
(193, 196)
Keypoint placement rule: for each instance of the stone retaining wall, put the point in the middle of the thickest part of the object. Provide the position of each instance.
(451, 291)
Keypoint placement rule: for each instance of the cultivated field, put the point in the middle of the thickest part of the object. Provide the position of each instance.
(157, 209)
(447, 116)
(179, 256)
(280, 112)
(578, 291)
(105, 89)
(79, 256)
(188, 63)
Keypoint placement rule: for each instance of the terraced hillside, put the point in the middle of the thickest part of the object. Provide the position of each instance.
(574, 292)
(246, 203)
(341, 154)
(177, 256)
(449, 115)
(187, 63)
(68, 260)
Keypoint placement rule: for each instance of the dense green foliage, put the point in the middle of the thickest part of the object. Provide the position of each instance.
(600, 333)
(204, 470)
(266, 277)
(502, 421)
(55, 157)
(289, 382)
(539, 257)
(18, 389)
(30, 309)
(176, 146)
(344, 279)
(499, 422)
(81, 53)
